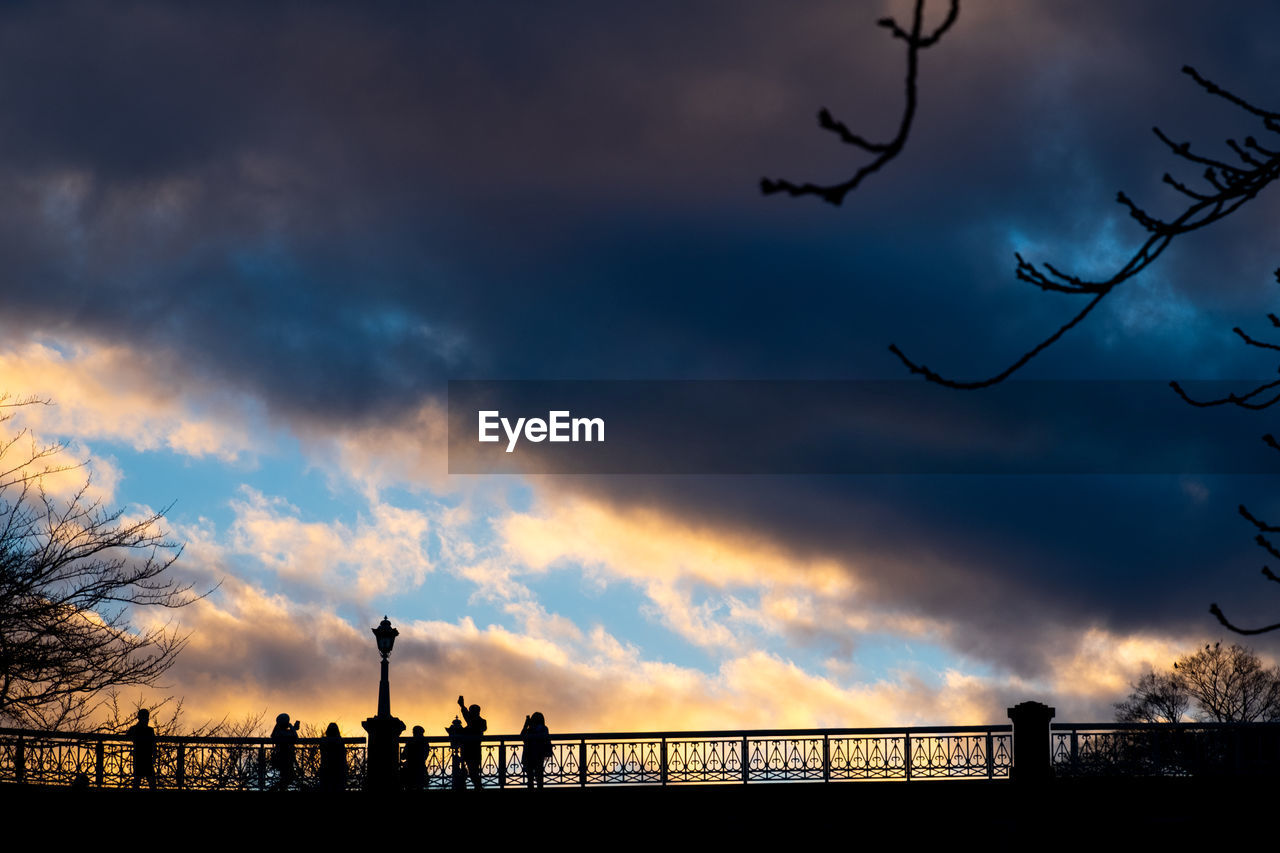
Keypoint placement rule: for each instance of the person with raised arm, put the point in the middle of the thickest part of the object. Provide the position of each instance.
(471, 737)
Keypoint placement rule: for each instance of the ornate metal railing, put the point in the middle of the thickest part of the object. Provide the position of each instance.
(209, 763)
(708, 757)
(654, 758)
(678, 758)
(1165, 749)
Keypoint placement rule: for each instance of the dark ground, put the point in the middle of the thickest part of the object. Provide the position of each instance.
(1072, 812)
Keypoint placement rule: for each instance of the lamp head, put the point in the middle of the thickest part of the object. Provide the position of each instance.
(386, 636)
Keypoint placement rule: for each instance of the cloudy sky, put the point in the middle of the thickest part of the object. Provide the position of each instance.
(246, 247)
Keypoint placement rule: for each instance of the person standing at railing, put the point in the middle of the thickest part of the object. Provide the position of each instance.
(458, 770)
(144, 749)
(537, 747)
(333, 760)
(284, 737)
(413, 761)
(471, 743)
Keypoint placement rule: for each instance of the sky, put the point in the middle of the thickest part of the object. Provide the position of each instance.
(246, 247)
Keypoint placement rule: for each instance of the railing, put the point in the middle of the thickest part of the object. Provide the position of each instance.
(686, 758)
(655, 758)
(630, 758)
(206, 763)
(675, 758)
(1165, 749)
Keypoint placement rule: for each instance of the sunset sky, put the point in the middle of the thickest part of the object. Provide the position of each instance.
(246, 246)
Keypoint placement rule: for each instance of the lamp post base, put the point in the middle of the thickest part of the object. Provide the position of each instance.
(382, 763)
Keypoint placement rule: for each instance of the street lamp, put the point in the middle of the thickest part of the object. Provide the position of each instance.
(382, 766)
(386, 637)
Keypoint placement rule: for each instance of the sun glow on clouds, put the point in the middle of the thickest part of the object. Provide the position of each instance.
(586, 677)
(782, 635)
(384, 551)
(253, 651)
(749, 584)
(409, 453)
(1102, 664)
(119, 394)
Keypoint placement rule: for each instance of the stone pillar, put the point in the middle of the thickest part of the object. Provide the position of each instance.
(382, 760)
(1032, 747)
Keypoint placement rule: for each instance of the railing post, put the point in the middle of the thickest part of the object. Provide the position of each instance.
(991, 761)
(502, 763)
(906, 754)
(1075, 750)
(662, 756)
(826, 759)
(746, 761)
(99, 762)
(1032, 742)
(582, 762)
(182, 765)
(20, 760)
(262, 767)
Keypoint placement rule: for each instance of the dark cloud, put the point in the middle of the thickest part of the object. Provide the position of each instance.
(337, 208)
(263, 189)
(1005, 567)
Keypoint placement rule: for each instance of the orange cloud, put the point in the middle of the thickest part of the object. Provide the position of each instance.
(746, 582)
(386, 549)
(253, 652)
(118, 393)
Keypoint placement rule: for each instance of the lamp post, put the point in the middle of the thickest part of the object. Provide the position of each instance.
(382, 765)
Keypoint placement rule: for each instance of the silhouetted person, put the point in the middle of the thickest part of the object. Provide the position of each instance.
(144, 749)
(413, 761)
(458, 770)
(537, 747)
(284, 737)
(333, 760)
(471, 735)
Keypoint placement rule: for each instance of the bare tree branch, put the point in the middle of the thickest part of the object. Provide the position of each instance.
(1253, 399)
(1262, 396)
(1230, 187)
(916, 40)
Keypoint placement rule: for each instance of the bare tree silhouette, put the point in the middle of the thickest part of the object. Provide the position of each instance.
(72, 573)
(1156, 698)
(1230, 685)
(1215, 684)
